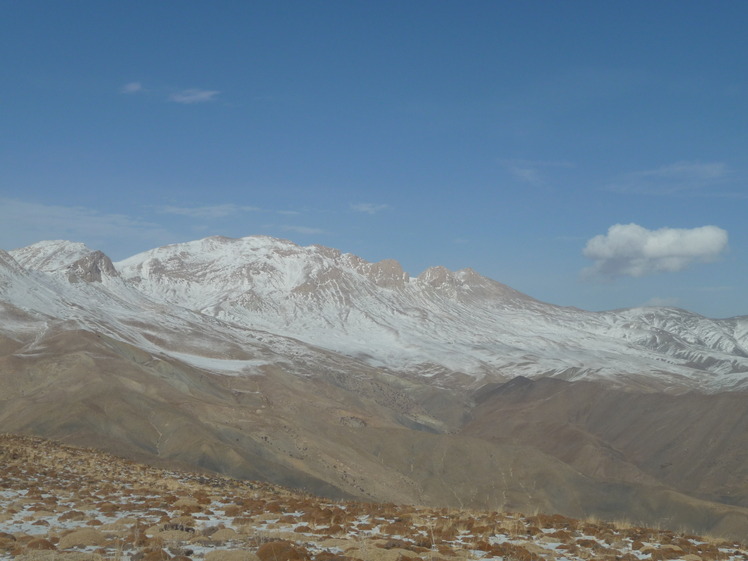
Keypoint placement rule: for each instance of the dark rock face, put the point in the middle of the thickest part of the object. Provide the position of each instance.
(91, 268)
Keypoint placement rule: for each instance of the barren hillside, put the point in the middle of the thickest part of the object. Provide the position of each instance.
(64, 503)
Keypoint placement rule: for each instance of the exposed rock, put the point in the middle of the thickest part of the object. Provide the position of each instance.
(91, 268)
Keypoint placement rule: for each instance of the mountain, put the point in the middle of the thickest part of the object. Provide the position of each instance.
(440, 323)
(313, 368)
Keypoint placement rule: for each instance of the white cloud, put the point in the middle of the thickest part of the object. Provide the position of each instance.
(208, 212)
(631, 250)
(132, 87)
(672, 179)
(193, 96)
(369, 208)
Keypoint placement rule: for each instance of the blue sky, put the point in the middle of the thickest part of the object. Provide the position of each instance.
(590, 154)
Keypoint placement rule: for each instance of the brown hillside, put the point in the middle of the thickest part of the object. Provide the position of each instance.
(342, 430)
(64, 503)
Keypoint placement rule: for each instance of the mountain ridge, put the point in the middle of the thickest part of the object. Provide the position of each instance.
(440, 324)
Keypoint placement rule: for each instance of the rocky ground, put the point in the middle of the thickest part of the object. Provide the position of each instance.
(60, 502)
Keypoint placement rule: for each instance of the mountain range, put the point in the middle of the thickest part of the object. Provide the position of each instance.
(313, 368)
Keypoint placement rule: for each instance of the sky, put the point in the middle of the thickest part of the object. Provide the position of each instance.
(589, 154)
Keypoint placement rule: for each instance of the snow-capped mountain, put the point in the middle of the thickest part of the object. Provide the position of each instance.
(437, 323)
(450, 326)
(50, 256)
(76, 288)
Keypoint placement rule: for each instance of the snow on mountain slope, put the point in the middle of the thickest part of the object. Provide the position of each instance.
(9, 268)
(207, 301)
(88, 294)
(684, 335)
(50, 256)
(439, 323)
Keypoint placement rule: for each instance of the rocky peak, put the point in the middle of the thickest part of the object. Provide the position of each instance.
(387, 273)
(437, 276)
(91, 268)
(442, 278)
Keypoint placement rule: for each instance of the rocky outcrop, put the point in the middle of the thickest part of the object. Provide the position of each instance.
(91, 268)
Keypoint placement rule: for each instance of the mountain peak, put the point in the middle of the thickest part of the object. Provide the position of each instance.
(91, 268)
(467, 283)
(387, 273)
(439, 276)
(51, 255)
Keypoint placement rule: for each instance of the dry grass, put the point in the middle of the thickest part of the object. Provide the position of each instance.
(61, 503)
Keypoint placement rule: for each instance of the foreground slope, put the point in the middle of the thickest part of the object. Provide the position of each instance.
(63, 503)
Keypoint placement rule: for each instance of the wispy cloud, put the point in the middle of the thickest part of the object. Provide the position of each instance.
(369, 208)
(303, 230)
(193, 95)
(532, 172)
(661, 302)
(131, 88)
(672, 179)
(23, 223)
(186, 96)
(631, 250)
(207, 212)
